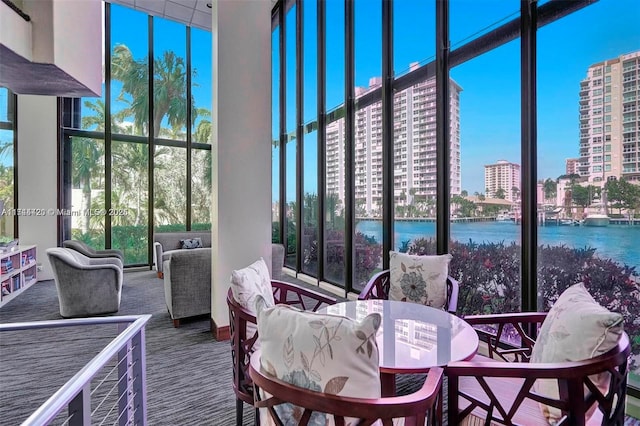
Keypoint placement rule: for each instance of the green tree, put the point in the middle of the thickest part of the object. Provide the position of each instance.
(501, 193)
(622, 194)
(550, 188)
(85, 155)
(169, 89)
(580, 195)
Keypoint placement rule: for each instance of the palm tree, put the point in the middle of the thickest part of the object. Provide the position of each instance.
(169, 88)
(85, 154)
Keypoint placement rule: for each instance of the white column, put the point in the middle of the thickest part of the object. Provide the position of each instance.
(37, 174)
(241, 143)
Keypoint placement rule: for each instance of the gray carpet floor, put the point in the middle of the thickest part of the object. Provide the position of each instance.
(188, 372)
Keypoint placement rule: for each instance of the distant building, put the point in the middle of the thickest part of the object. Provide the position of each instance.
(609, 121)
(414, 147)
(504, 176)
(572, 166)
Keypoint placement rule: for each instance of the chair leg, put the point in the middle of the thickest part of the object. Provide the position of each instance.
(176, 323)
(239, 408)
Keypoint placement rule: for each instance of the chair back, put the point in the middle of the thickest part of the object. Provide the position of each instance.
(413, 408)
(378, 288)
(244, 339)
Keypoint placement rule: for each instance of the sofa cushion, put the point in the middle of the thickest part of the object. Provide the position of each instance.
(190, 243)
(576, 328)
(324, 353)
(419, 279)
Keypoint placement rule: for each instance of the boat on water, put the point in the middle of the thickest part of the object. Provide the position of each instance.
(596, 219)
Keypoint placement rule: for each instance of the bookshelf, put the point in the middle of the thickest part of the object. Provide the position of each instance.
(18, 271)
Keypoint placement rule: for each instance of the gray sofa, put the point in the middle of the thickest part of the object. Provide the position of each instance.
(167, 242)
(187, 283)
(86, 286)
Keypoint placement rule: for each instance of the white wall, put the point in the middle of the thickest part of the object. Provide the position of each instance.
(15, 32)
(37, 182)
(241, 142)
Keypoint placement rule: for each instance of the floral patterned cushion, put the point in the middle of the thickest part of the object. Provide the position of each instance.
(325, 353)
(419, 279)
(576, 328)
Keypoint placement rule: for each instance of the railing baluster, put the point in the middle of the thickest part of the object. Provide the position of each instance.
(124, 362)
(80, 407)
(139, 378)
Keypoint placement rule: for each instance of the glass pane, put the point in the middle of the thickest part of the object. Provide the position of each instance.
(200, 189)
(7, 187)
(201, 85)
(485, 202)
(310, 206)
(588, 161)
(335, 144)
(334, 43)
(310, 160)
(413, 20)
(170, 186)
(290, 219)
(170, 80)
(87, 191)
(129, 71)
(334, 203)
(368, 141)
(4, 104)
(471, 19)
(130, 195)
(275, 136)
(290, 165)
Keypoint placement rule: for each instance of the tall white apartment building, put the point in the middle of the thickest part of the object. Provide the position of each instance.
(414, 152)
(503, 175)
(610, 120)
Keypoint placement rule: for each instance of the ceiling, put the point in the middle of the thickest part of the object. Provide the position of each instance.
(194, 13)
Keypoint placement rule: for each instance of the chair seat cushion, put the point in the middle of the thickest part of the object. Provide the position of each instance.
(505, 389)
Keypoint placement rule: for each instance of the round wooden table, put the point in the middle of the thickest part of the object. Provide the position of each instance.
(412, 338)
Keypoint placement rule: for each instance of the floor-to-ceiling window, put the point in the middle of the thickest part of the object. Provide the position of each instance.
(540, 136)
(139, 157)
(7, 166)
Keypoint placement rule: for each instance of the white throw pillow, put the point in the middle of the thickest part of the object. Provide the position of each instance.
(247, 284)
(419, 279)
(325, 353)
(576, 328)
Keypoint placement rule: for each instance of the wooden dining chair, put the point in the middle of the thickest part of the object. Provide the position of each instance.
(414, 409)
(243, 338)
(487, 391)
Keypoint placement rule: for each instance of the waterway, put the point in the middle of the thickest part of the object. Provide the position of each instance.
(618, 242)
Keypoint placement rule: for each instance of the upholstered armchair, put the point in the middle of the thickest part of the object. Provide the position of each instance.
(86, 286)
(83, 248)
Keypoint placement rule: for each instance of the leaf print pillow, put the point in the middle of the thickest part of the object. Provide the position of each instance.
(325, 353)
(419, 279)
(576, 328)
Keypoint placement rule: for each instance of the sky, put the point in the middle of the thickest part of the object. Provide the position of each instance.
(490, 98)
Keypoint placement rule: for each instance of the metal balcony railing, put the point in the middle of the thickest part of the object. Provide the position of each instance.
(110, 389)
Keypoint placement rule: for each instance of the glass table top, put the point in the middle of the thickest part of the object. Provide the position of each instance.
(412, 337)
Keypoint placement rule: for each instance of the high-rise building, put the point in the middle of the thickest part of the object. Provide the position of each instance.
(609, 120)
(571, 166)
(504, 177)
(414, 148)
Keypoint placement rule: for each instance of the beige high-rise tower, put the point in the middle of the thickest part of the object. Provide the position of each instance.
(610, 120)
